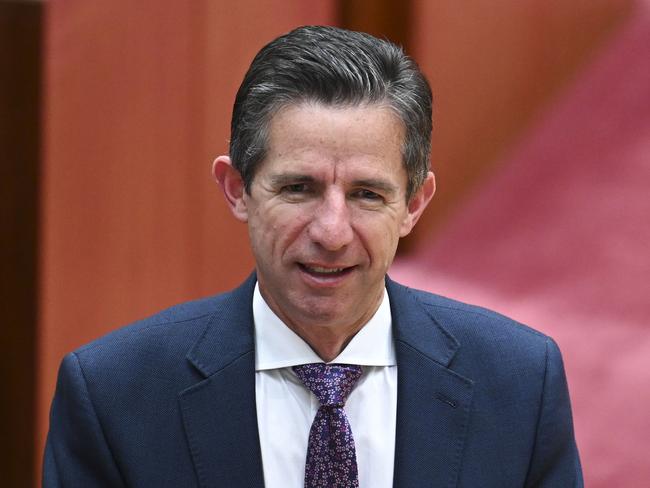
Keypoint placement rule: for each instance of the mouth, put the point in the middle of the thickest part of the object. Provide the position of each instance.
(325, 272)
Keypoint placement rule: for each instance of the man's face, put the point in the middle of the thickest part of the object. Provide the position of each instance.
(326, 209)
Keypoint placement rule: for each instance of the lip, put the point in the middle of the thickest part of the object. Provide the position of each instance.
(335, 276)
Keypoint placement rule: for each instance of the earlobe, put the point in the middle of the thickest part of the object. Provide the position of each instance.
(232, 185)
(418, 203)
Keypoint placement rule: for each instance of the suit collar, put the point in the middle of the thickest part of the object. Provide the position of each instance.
(415, 326)
(229, 334)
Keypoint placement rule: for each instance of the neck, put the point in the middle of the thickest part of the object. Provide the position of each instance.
(327, 343)
(326, 334)
(329, 340)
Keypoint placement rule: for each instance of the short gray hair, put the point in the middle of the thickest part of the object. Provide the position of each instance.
(334, 67)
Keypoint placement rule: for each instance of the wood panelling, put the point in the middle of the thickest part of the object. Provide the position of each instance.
(138, 103)
(493, 67)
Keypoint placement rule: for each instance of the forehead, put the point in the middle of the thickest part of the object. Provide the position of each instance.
(315, 136)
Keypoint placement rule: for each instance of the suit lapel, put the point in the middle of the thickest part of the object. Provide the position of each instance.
(433, 402)
(219, 412)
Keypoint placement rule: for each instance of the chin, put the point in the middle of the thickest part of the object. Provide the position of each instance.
(322, 315)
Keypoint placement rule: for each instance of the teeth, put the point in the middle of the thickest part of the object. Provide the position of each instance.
(318, 269)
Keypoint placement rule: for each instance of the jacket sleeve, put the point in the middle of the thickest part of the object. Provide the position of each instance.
(555, 462)
(76, 452)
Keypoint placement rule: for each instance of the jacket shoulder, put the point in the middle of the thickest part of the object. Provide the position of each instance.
(163, 340)
(462, 318)
(481, 339)
(181, 318)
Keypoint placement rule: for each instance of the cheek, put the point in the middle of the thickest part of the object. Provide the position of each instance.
(388, 249)
(379, 236)
(277, 229)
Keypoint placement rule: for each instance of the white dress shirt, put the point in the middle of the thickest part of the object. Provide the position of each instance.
(286, 408)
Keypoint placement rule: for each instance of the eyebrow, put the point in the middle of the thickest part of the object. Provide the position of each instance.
(289, 178)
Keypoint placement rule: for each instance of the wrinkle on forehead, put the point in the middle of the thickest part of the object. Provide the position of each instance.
(334, 117)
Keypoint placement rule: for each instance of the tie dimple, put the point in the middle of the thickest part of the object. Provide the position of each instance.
(331, 456)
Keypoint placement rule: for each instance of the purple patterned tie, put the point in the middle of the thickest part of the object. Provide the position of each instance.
(331, 457)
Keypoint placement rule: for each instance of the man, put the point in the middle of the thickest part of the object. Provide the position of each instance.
(319, 370)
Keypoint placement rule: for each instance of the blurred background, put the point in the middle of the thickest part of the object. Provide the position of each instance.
(112, 111)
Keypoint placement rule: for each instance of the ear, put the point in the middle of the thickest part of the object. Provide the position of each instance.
(232, 185)
(417, 204)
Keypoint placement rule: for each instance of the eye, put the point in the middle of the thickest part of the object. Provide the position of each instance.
(368, 195)
(296, 192)
(295, 188)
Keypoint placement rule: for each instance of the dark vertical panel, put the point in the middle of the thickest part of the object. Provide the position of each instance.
(20, 38)
(381, 18)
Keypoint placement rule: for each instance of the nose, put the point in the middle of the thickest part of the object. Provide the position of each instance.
(330, 225)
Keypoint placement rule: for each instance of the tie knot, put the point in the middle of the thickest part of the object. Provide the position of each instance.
(331, 383)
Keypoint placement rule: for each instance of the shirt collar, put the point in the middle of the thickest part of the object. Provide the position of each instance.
(277, 346)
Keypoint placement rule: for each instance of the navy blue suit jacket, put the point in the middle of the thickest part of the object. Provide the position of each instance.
(170, 401)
